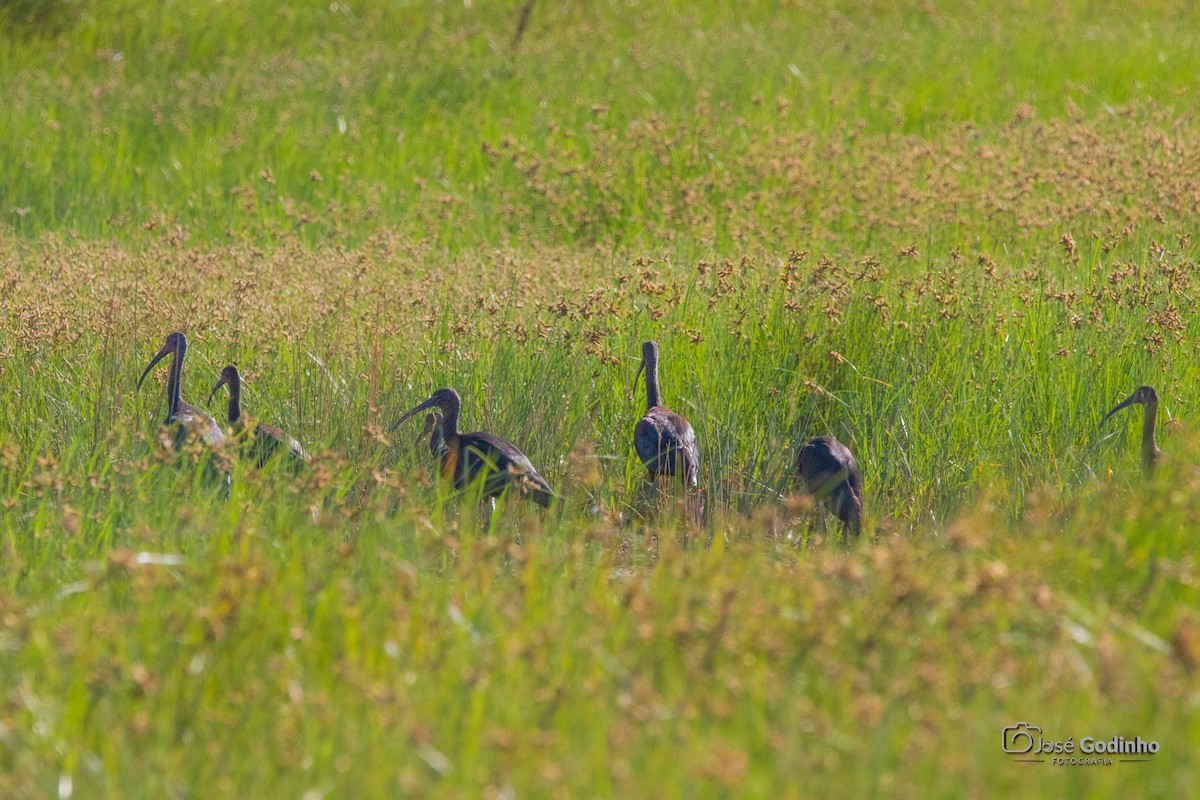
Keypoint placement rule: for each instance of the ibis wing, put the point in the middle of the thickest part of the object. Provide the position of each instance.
(648, 440)
(502, 460)
(297, 450)
(193, 421)
(830, 473)
(666, 443)
(261, 442)
(824, 464)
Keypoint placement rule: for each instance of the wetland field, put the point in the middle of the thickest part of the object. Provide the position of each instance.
(951, 234)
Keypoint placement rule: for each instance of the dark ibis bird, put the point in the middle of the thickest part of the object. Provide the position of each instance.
(186, 417)
(261, 441)
(467, 457)
(1146, 397)
(830, 474)
(663, 439)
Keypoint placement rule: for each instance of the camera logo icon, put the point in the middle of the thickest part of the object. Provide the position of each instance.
(1018, 738)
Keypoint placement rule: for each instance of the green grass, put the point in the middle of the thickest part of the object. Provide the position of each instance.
(950, 236)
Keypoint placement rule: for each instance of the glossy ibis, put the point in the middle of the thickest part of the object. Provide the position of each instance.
(186, 417)
(663, 439)
(468, 456)
(830, 474)
(262, 441)
(1147, 397)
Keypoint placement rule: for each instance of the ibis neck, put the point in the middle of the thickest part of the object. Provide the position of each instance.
(435, 440)
(450, 420)
(174, 378)
(1149, 445)
(652, 395)
(235, 398)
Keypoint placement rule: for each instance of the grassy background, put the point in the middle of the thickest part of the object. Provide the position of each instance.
(950, 235)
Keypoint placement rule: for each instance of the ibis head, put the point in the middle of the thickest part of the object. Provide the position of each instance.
(445, 399)
(229, 377)
(232, 378)
(1142, 396)
(176, 343)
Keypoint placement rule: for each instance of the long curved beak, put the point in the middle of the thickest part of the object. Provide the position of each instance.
(1128, 401)
(159, 356)
(640, 370)
(224, 380)
(430, 403)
